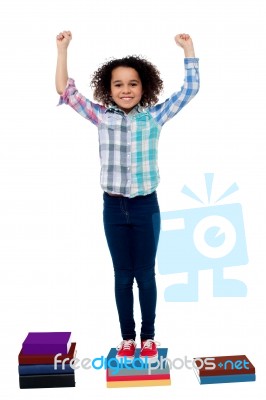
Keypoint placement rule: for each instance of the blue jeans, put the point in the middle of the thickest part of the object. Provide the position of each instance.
(132, 228)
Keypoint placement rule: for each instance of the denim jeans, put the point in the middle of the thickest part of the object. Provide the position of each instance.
(132, 228)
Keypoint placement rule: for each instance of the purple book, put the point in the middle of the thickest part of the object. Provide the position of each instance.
(46, 343)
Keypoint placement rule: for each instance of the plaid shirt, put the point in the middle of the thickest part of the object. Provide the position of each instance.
(128, 143)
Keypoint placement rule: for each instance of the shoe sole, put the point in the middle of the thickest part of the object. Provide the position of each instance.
(128, 358)
(150, 360)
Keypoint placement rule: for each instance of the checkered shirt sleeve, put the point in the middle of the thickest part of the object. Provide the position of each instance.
(85, 107)
(169, 108)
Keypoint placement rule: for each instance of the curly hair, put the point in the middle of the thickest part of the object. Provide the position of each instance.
(149, 75)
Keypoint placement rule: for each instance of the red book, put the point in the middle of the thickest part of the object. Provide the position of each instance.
(126, 378)
(46, 358)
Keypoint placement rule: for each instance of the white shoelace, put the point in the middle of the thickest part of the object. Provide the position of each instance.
(148, 343)
(126, 344)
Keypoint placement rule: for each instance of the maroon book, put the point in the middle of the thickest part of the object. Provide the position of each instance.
(46, 358)
(223, 365)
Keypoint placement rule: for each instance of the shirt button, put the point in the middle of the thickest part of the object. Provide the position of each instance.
(128, 169)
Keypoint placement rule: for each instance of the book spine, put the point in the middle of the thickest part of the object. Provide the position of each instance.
(138, 378)
(44, 369)
(156, 382)
(33, 360)
(46, 381)
(227, 378)
(225, 372)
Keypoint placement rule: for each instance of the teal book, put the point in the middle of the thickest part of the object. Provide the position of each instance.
(227, 378)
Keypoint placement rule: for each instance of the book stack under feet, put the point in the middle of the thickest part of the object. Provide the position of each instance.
(41, 366)
(138, 372)
(224, 369)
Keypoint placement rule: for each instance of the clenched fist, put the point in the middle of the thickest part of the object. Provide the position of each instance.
(63, 39)
(184, 40)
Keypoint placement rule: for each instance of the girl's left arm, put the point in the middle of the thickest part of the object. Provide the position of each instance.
(169, 108)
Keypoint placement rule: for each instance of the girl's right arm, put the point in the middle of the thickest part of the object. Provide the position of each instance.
(61, 76)
(65, 86)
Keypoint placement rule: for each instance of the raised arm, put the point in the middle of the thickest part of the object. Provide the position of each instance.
(61, 76)
(170, 107)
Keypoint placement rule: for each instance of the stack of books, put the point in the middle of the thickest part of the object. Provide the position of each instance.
(224, 369)
(41, 365)
(138, 372)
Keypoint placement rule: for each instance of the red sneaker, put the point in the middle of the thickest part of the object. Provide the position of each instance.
(126, 349)
(149, 350)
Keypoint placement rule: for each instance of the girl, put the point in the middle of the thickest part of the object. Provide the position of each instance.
(129, 123)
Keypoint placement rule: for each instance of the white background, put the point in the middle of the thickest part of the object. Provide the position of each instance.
(56, 272)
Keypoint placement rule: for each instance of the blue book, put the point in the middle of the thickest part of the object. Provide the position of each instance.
(45, 369)
(227, 378)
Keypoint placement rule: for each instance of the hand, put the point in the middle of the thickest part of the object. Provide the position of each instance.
(63, 40)
(184, 40)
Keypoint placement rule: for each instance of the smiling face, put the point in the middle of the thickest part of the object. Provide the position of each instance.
(126, 88)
